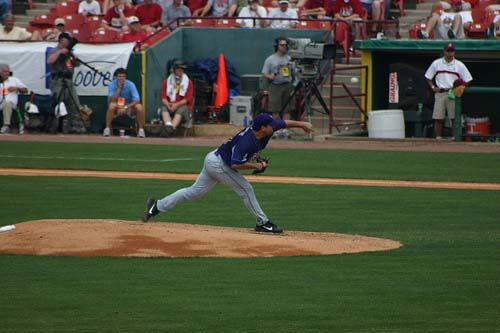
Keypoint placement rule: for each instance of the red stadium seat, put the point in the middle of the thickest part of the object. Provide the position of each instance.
(67, 8)
(203, 22)
(157, 37)
(309, 24)
(73, 21)
(93, 23)
(81, 34)
(225, 22)
(105, 36)
(43, 20)
(419, 26)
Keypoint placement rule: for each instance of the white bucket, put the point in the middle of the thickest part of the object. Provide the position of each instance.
(387, 124)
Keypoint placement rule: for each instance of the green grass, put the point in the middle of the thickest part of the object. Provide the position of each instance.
(312, 163)
(445, 278)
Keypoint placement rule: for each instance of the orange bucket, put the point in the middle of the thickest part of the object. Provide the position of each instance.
(476, 127)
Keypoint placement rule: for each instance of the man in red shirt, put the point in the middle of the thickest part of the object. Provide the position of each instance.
(149, 14)
(116, 17)
(196, 6)
(136, 33)
(177, 98)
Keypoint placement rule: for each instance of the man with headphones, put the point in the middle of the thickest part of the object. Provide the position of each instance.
(124, 99)
(279, 70)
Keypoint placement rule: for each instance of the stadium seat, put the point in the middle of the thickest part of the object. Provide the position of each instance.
(81, 34)
(43, 20)
(73, 21)
(93, 23)
(314, 24)
(67, 8)
(157, 37)
(105, 36)
(203, 22)
(419, 26)
(225, 22)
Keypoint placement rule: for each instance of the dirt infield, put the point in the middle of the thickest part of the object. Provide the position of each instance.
(136, 239)
(252, 179)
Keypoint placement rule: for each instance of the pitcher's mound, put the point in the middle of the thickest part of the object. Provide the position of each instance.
(135, 239)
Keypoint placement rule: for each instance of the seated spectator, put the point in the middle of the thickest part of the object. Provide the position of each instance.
(5, 7)
(149, 14)
(116, 17)
(177, 98)
(236, 7)
(315, 9)
(349, 11)
(177, 9)
(448, 25)
(89, 7)
(373, 7)
(53, 34)
(252, 10)
(136, 33)
(283, 12)
(216, 8)
(8, 31)
(10, 88)
(195, 6)
(124, 99)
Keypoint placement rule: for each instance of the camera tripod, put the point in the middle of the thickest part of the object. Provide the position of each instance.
(310, 88)
(73, 110)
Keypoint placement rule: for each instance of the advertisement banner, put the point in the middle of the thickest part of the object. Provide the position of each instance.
(28, 62)
(393, 88)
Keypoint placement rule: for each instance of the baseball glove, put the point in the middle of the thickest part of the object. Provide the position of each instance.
(260, 159)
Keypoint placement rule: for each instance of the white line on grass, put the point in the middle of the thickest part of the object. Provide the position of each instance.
(95, 158)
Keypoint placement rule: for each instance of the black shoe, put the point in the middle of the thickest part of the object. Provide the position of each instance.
(151, 210)
(421, 35)
(269, 226)
(451, 34)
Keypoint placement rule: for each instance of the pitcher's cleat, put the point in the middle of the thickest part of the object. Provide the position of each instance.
(151, 210)
(269, 226)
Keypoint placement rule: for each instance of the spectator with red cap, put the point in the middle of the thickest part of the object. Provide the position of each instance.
(448, 25)
(441, 77)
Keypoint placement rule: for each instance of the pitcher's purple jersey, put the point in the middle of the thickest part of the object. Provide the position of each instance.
(241, 147)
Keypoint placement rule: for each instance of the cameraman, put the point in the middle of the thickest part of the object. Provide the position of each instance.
(10, 88)
(62, 62)
(279, 70)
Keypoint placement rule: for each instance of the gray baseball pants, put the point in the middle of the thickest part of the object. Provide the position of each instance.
(216, 171)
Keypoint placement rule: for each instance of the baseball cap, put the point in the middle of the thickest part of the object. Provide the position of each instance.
(262, 119)
(283, 1)
(454, 2)
(459, 82)
(65, 35)
(59, 21)
(178, 64)
(449, 47)
(132, 19)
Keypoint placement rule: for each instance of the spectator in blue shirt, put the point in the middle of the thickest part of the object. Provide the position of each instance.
(124, 99)
(5, 7)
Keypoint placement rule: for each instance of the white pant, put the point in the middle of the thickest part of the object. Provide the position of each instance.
(216, 171)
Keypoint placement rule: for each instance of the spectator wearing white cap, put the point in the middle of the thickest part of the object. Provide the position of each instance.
(89, 8)
(283, 12)
(53, 33)
(252, 10)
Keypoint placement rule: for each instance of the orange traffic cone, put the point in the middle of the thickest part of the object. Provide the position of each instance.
(222, 92)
